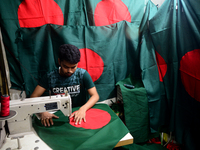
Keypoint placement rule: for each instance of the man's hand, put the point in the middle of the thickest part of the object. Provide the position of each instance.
(47, 118)
(78, 116)
(81, 113)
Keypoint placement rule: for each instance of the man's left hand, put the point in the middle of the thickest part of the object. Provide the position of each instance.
(78, 116)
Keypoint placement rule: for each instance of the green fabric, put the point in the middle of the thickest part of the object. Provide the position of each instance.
(102, 40)
(77, 18)
(169, 103)
(187, 112)
(124, 48)
(62, 135)
(152, 29)
(148, 65)
(161, 105)
(73, 13)
(136, 109)
(136, 13)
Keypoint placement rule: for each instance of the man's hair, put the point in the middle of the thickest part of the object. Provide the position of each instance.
(69, 53)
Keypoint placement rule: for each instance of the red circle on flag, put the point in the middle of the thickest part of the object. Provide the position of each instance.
(39, 12)
(190, 73)
(111, 11)
(162, 66)
(91, 62)
(95, 119)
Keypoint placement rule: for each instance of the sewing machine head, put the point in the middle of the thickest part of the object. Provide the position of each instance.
(20, 123)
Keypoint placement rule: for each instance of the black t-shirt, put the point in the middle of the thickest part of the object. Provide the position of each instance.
(76, 85)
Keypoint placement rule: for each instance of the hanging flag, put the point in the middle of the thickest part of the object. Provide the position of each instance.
(187, 104)
(28, 14)
(112, 58)
(162, 29)
(175, 36)
(38, 13)
(107, 61)
(106, 12)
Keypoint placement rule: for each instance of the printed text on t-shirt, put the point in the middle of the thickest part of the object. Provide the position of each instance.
(72, 90)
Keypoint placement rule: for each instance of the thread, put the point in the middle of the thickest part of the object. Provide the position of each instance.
(5, 108)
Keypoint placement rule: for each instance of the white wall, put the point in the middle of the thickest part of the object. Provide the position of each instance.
(158, 2)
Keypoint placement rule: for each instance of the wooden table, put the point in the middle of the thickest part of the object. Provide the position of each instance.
(126, 140)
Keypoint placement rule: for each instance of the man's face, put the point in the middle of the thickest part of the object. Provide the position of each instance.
(67, 69)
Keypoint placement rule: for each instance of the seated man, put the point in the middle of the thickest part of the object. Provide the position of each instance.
(68, 77)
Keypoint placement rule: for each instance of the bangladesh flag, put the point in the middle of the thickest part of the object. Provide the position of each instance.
(187, 104)
(31, 31)
(101, 133)
(106, 12)
(148, 64)
(162, 27)
(105, 61)
(175, 37)
(27, 14)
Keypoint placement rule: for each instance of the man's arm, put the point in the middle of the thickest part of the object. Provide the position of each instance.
(80, 114)
(46, 117)
(38, 91)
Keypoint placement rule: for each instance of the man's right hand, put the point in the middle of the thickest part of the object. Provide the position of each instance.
(47, 118)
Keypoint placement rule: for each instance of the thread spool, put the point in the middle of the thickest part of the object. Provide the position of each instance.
(5, 108)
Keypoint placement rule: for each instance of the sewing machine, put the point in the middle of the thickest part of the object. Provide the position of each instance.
(21, 135)
(19, 122)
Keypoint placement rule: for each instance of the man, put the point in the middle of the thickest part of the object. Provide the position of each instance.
(68, 77)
